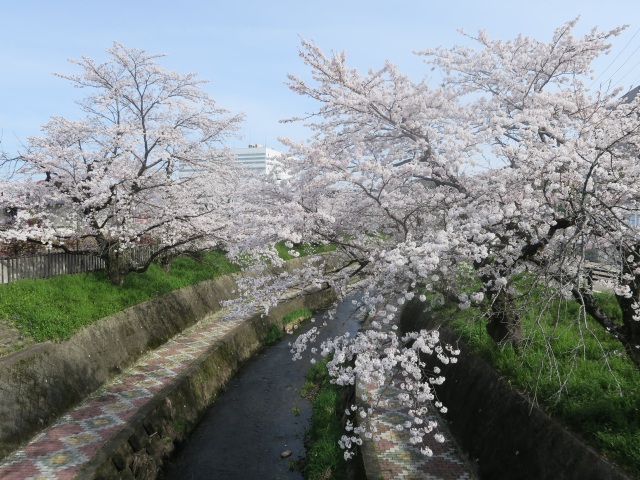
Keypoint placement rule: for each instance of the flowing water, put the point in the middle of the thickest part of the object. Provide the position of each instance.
(259, 416)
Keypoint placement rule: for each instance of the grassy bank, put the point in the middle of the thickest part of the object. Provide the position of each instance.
(574, 369)
(54, 308)
(325, 458)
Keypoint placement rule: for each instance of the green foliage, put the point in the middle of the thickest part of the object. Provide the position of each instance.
(303, 249)
(181, 425)
(325, 458)
(274, 334)
(575, 370)
(300, 313)
(315, 377)
(54, 308)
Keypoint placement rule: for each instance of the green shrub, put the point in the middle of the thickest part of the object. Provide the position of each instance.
(300, 313)
(274, 334)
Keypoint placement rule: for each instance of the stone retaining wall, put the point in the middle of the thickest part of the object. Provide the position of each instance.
(147, 440)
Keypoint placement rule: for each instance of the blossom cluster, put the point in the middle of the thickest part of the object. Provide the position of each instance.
(380, 361)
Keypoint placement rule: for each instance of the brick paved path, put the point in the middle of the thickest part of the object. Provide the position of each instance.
(62, 449)
(398, 459)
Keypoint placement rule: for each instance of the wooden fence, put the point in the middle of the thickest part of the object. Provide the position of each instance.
(602, 271)
(49, 265)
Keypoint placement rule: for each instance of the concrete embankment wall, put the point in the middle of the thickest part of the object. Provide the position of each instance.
(43, 381)
(139, 449)
(502, 431)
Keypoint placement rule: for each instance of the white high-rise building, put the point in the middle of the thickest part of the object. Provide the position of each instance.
(258, 158)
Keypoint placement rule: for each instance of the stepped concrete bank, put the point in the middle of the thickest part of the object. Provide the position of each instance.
(41, 382)
(499, 429)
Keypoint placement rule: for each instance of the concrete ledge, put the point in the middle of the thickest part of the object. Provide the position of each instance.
(150, 436)
(43, 381)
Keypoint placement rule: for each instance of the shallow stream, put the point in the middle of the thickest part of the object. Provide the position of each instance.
(259, 416)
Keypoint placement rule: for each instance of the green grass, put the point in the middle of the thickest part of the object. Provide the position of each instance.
(299, 313)
(54, 308)
(575, 370)
(325, 458)
(274, 334)
(303, 249)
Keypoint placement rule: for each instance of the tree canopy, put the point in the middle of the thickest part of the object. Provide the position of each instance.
(510, 166)
(512, 163)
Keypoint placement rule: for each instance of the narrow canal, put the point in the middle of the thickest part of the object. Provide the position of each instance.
(259, 416)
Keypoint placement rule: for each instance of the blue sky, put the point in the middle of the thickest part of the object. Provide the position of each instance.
(246, 48)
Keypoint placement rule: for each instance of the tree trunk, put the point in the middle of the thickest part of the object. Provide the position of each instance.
(116, 273)
(631, 328)
(165, 262)
(504, 325)
(115, 264)
(631, 316)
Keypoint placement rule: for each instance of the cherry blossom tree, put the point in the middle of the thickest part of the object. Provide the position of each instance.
(115, 178)
(566, 180)
(511, 166)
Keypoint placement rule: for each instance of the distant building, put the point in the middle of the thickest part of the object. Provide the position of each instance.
(258, 158)
(631, 95)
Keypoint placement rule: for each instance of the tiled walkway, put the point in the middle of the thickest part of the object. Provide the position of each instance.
(398, 459)
(62, 449)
